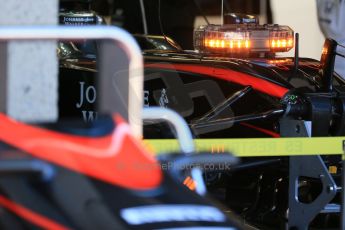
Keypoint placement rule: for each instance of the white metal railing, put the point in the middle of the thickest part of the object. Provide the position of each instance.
(120, 36)
(183, 132)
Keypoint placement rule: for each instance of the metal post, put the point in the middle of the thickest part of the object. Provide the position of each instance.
(29, 70)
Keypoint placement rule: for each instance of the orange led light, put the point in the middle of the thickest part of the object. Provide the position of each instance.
(290, 42)
(239, 44)
(281, 44)
(217, 43)
(246, 44)
(243, 40)
(273, 44)
(284, 43)
(211, 43)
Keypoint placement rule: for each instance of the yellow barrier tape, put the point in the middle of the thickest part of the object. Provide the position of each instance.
(254, 147)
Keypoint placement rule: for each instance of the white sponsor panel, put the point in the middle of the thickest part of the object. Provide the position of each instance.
(171, 213)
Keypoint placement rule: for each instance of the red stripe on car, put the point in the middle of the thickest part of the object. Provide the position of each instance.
(226, 74)
(29, 215)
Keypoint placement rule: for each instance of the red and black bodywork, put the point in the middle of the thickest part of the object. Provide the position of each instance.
(195, 85)
(72, 175)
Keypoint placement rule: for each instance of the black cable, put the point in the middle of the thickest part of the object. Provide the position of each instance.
(296, 58)
(339, 54)
(143, 15)
(341, 45)
(160, 21)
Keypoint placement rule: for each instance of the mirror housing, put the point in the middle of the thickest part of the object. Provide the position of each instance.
(327, 64)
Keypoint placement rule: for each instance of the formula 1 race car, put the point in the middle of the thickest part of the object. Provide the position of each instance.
(235, 85)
